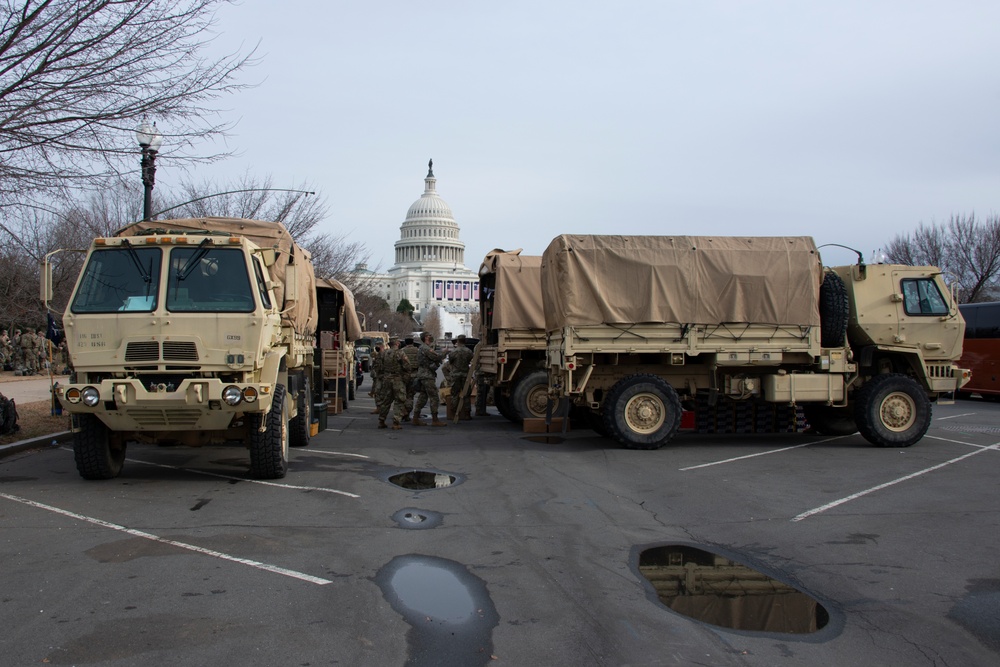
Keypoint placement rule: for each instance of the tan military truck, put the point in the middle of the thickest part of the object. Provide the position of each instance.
(742, 331)
(192, 331)
(511, 358)
(339, 327)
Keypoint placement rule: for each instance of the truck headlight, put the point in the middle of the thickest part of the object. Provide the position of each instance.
(73, 395)
(250, 395)
(232, 395)
(91, 396)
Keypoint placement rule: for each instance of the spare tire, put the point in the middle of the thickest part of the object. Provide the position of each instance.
(834, 311)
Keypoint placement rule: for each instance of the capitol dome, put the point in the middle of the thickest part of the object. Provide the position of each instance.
(429, 234)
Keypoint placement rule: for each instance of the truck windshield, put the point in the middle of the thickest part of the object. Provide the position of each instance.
(209, 279)
(119, 279)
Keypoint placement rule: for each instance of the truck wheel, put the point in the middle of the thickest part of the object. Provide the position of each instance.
(269, 450)
(642, 412)
(828, 420)
(97, 454)
(502, 402)
(530, 397)
(892, 410)
(834, 310)
(299, 426)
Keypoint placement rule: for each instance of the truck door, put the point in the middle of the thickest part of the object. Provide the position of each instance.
(926, 316)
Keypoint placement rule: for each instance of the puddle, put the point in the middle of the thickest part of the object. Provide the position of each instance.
(546, 439)
(421, 480)
(415, 519)
(449, 610)
(718, 590)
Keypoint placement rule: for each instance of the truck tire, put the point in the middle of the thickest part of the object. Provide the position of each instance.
(834, 311)
(502, 402)
(828, 420)
(269, 450)
(892, 410)
(642, 412)
(97, 454)
(299, 426)
(530, 397)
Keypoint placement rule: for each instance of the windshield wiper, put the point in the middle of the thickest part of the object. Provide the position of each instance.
(146, 278)
(185, 271)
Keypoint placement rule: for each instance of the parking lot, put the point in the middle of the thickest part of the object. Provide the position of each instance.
(523, 552)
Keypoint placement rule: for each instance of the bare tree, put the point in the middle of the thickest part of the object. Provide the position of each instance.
(432, 323)
(964, 247)
(76, 76)
(299, 209)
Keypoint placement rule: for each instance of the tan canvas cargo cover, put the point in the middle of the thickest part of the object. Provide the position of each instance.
(622, 280)
(517, 303)
(290, 257)
(352, 324)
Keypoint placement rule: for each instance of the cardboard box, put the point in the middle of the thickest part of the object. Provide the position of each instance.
(538, 425)
(335, 406)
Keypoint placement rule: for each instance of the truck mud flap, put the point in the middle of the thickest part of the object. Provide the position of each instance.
(751, 416)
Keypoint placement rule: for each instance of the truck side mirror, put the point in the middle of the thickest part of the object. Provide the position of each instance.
(269, 256)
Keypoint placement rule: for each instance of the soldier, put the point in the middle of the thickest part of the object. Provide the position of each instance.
(18, 356)
(6, 351)
(393, 366)
(460, 358)
(410, 350)
(29, 358)
(376, 374)
(42, 349)
(429, 360)
(64, 357)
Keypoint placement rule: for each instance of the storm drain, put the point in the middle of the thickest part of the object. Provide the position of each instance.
(421, 480)
(449, 610)
(416, 519)
(720, 591)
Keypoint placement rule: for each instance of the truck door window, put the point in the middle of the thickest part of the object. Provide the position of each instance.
(119, 279)
(218, 281)
(922, 297)
(265, 298)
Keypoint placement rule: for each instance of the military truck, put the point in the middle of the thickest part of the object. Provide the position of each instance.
(511, 357)
(193, 331)
(339, 326)
(743, 331)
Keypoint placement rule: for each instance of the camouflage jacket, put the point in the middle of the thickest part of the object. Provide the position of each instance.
(429, 360)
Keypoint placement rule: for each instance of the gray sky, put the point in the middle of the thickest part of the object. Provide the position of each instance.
(847, 121)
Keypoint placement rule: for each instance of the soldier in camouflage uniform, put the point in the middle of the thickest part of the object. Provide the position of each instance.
(460, 359)
(6, 351)
(29, 357)
(429, 360)
(410, 350)
(376, 371)
(393, 365)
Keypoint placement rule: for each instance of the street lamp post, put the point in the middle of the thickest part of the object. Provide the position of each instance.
(150, 140)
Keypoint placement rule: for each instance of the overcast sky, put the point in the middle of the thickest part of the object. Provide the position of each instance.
(847, 121)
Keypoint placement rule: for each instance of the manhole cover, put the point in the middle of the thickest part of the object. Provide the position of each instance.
(718, 590)
(416, 519)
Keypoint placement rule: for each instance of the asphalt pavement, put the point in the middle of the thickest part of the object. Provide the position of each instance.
(518, 549)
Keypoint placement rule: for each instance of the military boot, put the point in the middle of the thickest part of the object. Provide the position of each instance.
(437, 422)
(396, 426)
(417, 422)
(381, 423)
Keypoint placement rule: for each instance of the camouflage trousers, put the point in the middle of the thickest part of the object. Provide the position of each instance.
(390, 391)
(428, 392)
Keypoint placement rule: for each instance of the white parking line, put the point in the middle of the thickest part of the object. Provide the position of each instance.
(320, 451)
(244, 479)
(967, 414)
(190, 547)
(859, 494)
(770, 451)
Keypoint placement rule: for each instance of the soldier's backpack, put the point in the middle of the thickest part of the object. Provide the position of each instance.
(8, 416)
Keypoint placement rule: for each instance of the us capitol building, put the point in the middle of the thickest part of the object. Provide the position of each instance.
(429, 269)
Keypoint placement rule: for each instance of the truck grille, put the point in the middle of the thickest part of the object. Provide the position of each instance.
(149, 350)
(179, 351)
(940, 371)
(143, 351)
(152, 418)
